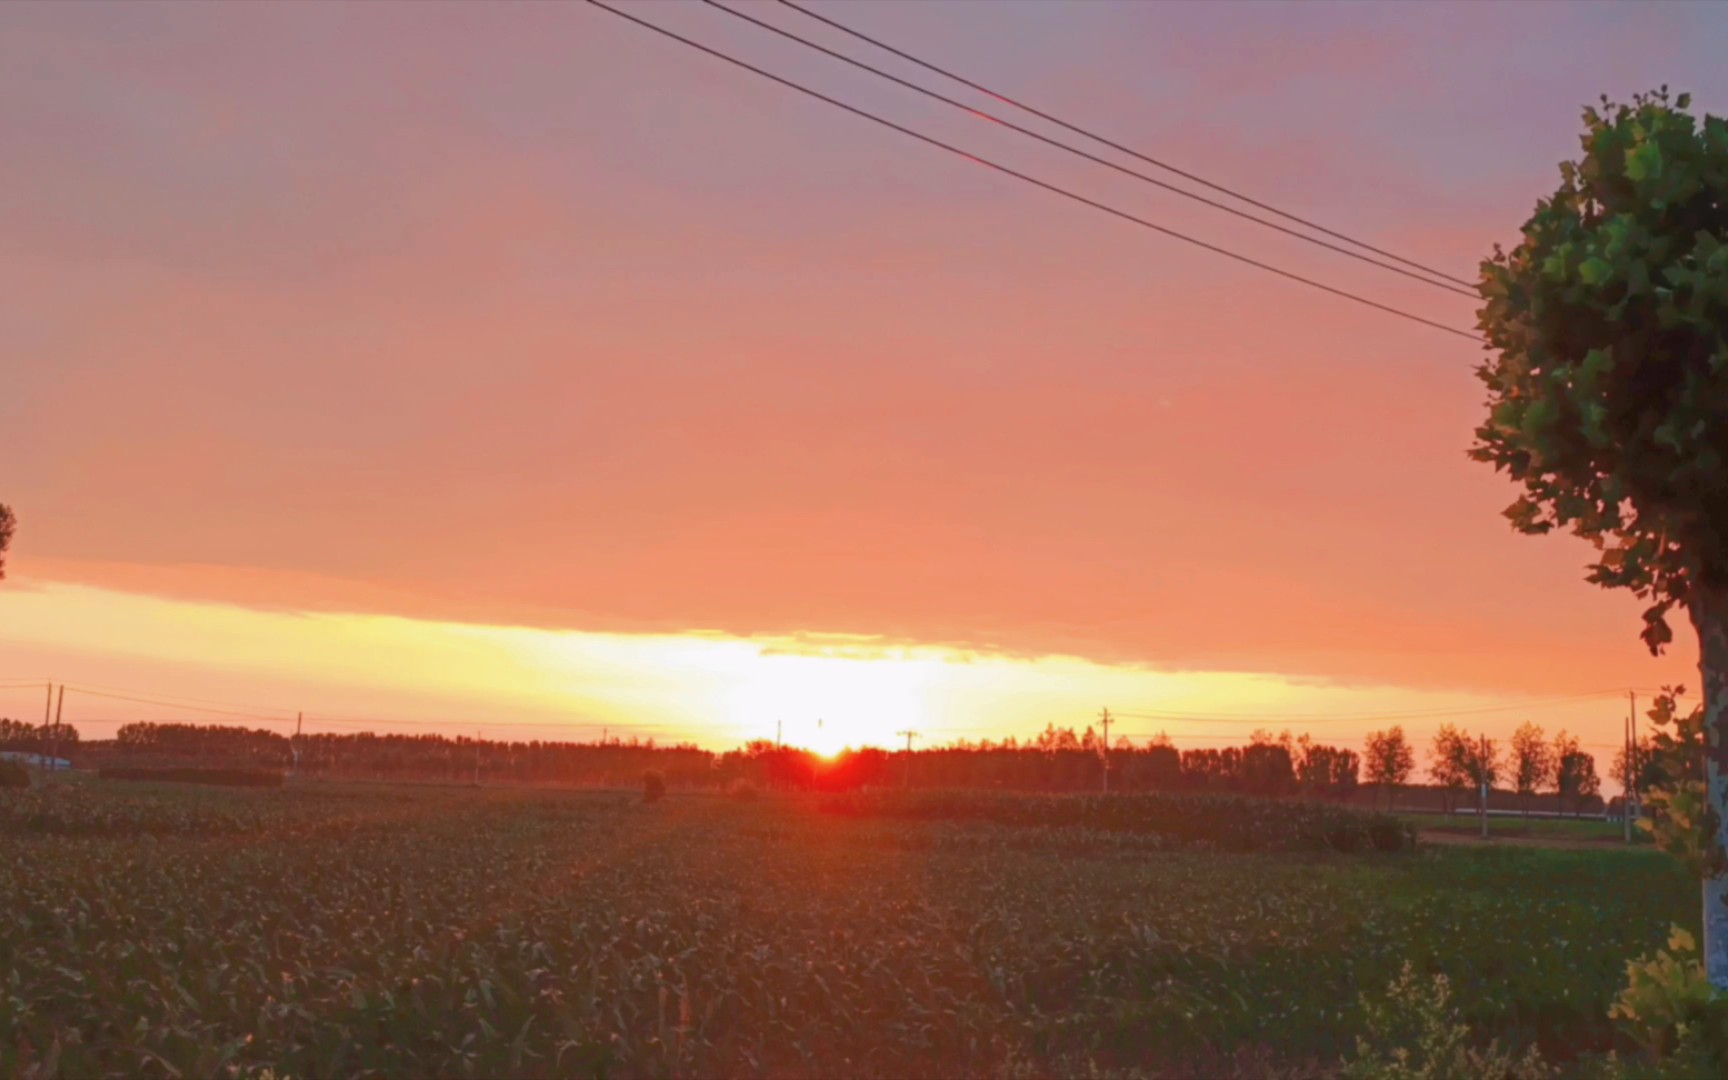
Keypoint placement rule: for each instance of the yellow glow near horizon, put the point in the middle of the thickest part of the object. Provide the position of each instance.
(826, 693)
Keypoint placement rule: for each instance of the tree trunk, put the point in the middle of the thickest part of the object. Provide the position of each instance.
(1709, 612)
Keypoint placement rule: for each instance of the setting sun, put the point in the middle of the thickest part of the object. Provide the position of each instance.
(827, 703)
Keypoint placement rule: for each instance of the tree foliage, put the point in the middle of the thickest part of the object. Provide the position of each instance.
(23, 736)
(1448, 758)
(1680, 819)
(1391, 760)
(1575, 778)
(1532, 761)
(1608, 377)
(8, 526)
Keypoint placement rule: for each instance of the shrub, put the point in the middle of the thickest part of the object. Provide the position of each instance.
(653, 785)
(743, 790)
(1671, 1010)
(1414, 1033)
(13, 775)
(1388, 834)
(221, 777)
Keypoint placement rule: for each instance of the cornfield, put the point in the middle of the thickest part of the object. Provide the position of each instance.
(325, 930)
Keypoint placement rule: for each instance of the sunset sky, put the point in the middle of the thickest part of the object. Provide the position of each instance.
(507, 367)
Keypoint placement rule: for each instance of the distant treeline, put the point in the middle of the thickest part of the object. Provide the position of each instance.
(418, 757)
(1057, 760)
(21, 737)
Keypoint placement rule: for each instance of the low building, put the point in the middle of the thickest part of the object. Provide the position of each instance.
(36, 761)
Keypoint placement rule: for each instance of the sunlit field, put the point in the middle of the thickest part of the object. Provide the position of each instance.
(325, 929)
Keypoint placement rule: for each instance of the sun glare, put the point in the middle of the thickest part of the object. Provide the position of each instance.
(826, 703)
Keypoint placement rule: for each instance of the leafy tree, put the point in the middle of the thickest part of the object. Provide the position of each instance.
(1578, 779)
(1575, 776)
(1391, 761)
(1267, 766)
(1635, 772)
(1532, 762)
(1449, 763)
(1482, 765)
(8, 526)
(1326, 771)
(1607, 327)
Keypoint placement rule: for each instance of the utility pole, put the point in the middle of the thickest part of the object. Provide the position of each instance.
(54, 745)
(1105, 714)
(1637, 755)
(1482, 769)
(1626, 796)
(294, 744)
(47, 715)
(476, 758)
(910, 735)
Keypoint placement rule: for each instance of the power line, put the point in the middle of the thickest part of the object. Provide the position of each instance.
(1095, 137)
(1052, 188)
(366, 725)
(1327, 718)
(548, 725)
(1094, 158)
(260, 714)
(172, 704)
(1309, 718)
(174, 699)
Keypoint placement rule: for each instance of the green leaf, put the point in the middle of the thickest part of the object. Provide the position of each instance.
(1637, 277)
(1644, 162)
(1597, 362)
(1595, 270)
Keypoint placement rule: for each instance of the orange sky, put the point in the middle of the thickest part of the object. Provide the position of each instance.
(519, 317)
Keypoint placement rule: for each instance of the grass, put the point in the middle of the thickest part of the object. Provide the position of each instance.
(1535, 827)
(1219, 822)
(331, 929)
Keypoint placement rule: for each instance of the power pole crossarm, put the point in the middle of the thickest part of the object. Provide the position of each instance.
(910, 735)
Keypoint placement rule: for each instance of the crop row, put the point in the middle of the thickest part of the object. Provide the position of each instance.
(1221, 822)
(484, 933)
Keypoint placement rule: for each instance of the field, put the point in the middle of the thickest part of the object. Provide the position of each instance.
(1576, 830)
(331, 929)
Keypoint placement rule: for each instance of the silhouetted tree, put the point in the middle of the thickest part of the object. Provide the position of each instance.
(8, 526)
(1482, 766)
(1327, 771)
(1576, 779)
(1533, 762)
(1391, 761)
(1449, 764)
